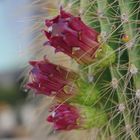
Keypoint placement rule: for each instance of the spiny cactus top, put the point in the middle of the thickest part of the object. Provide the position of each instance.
(70, 35)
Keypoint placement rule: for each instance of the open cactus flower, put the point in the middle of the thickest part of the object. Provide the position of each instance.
(75, 116)
(70, 35)
(59, 82)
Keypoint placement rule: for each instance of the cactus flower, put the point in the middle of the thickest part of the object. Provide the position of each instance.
(68, 34)
(68, 117)
(61, 83)
(50, 79)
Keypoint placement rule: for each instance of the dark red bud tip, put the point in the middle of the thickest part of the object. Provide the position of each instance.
(49, 79)
(65, 32)
(33, 63)
(64, 117)
(50, 119)
(47, 34)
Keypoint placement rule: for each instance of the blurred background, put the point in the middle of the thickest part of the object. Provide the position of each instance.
(16, 114)
(21, 40)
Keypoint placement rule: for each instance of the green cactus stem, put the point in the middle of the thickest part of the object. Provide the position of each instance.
(105, 27)
(128, 17)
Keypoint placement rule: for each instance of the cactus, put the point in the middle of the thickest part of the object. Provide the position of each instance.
(107, 81)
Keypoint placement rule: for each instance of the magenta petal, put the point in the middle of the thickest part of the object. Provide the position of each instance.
(64, 117)
(50, 119)
(47, 34)
(49, 79)
(33, 63)
(49, 23)
(60, 45)
(76, 24)
(64, 14)
(70, 35)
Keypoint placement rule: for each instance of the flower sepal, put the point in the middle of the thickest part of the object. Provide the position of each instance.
(105, 56)
(88, 94)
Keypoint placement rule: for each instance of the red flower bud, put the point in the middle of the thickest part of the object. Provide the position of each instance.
(50, 79)
(75, 116)
(68, 34)
(64, 117)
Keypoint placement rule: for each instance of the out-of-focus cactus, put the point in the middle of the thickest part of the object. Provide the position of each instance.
(103, 38)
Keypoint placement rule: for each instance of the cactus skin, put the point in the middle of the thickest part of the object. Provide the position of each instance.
(119, 83)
